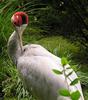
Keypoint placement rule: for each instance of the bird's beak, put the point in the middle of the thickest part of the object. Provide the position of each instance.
(20, 36)
(20, 30)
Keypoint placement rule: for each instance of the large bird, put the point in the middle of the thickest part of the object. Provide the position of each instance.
(35, 65)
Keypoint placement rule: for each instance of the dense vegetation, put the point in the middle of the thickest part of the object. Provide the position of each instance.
(61, 26)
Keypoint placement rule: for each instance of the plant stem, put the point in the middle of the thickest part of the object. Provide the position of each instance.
(66, 78)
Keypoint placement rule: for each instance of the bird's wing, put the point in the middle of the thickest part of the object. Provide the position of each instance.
(37, 73)
(48, 58)
(38, 50)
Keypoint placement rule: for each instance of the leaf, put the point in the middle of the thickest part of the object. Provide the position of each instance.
(69, 74)
(64, 92)
(74, 67)
(57, 71)
(64, 61)
(75, 95)
(75, 81)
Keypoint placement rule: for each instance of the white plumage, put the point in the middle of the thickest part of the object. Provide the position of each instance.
(35, 65)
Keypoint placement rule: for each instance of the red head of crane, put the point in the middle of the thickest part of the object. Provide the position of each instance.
(19, 18)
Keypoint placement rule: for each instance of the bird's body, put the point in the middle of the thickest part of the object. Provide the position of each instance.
(35, 65)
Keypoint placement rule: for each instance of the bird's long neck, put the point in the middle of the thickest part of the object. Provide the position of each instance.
(15, 46)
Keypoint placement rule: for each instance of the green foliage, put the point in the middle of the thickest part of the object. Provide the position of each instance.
(12, 85)
(59, 46)
(85, 94)
(9, 84)
(83, 76)
(64, 92)
(75, 81)
(64, 61)
(75, 95)
(57, 71)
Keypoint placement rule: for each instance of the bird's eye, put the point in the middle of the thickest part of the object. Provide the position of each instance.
(24, 19)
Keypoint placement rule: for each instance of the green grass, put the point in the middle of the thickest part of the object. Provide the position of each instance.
(15, 98)
(59, 45)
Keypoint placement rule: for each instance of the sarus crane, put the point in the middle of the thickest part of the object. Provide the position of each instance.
(35, 64)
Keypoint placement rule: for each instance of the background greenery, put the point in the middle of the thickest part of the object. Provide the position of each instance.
(61, 26)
